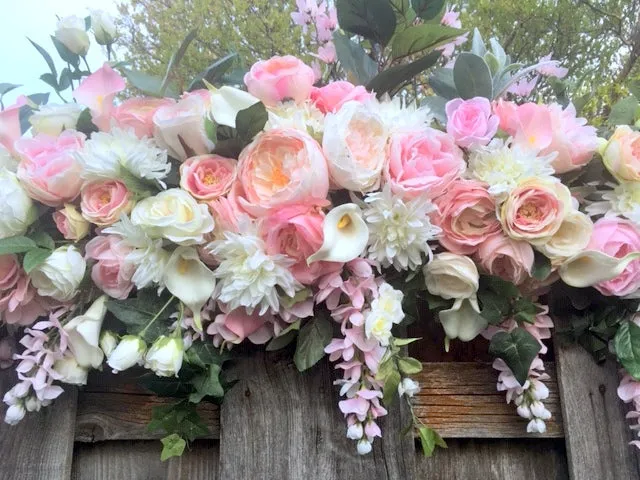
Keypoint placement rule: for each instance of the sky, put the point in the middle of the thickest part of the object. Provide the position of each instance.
(36, 19)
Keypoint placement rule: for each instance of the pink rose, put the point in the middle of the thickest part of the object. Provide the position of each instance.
(19, 302)
(422, 162)
(467, 216)
(70, 223)
(49, 170)
(137, 113)
(207, 177)
(296, 231)
(622, 154)
(281, 167)
(279, 79)
(10, 124)
(225, 214)
(617, 237)
(237, 325)
(97, 92)
(506, 258)
(330, 98)
(112, 273)
(470, 122)
(104, 201)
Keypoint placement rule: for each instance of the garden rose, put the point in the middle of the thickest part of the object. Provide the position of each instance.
(49, 170)
(621, 156)
(571, 238)
(331, 98)
(19, 302)
(70, 223)
(451, 276)
(174, 215)
(467, 216)
(17, 210)
(103, 202)
(237, 325)
(617, 237)
(281, 167)
(422, 162)
(54, 119)
(279, 79)
(137, 113)
(103, 26)
(470, 122)
(72, 34)
(506, 258)
(60, 275)
(207, 177)
(354, 142)
(129, 352)
(111, 273)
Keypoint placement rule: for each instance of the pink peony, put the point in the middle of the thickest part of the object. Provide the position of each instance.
(617, 237)
(422, 162)
(330, 98)
(467, 216)
(19, 302)
(225, 214)
(506, 258)
(112, 273)
(10, 124)
(207, 177)
(279, 79)
(49, 170)
(137, 113)
(470, 122)
(237, 325)
(104, 201)
(97, 92)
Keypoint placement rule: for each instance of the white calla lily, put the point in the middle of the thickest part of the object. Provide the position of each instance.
(463, 320)
(226, 102)
(189, 280)
(84, 334)
(345, 235)
(591, 267)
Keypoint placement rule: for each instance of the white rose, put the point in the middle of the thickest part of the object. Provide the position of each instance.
(165, 356)
(451, 276)
(14, 414)
(103, 26)
(60, 274)
(70, 372)
(354, 142)
(128, 353)
(17, 211)
(571, 238)
(175, 215)
(226, 102)
(54, 119)
(71, 33)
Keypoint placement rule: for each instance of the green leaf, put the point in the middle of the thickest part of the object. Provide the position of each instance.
(287, 336)
(7, 87)
(525, 310)
(214, 72)
(441, 81)
(65, 79)
(34, 258)
(205, 354)
(87, 23)
(207, 385)
(421, 37)
(623, 112)
(43, 239)
(541, 267)
(251, 121)
(176, 58)
(146, 315)
(428, 9)
(360, 68)
(409, 366)
(16, 245)
(85, 123)
(472, 77)
(627, 346)
(181, 418)
(437, 106)
(517, 348)
(498, 285)
(405, 15)
(169, 386)
(373, 19)
(634, 88)
(393, 78)
(430, 439)
(50, 80)
(401, 342)
(65, 54)
(147, 84)
(172, 446)
(477, 44)
(390, 387)
(47, 58)
(313, 337)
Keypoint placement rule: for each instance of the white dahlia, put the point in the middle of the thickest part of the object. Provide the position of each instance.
(398, 115)
(399, 229)
(623, 200)
(306, 117)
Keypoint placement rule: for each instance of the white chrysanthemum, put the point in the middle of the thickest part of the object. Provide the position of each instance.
(623, 200)
(306, 117)
(247, 276)
(397, 115)
(107, 154)
(148, 256)
(399, 230)
(503, 166)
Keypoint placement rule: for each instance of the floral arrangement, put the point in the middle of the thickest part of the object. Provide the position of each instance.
(300, 209)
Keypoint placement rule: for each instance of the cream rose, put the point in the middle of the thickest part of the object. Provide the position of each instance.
(17, 211)
(571, 238)
(54, 119)
(451, 276)
(60, 275)
(71, 33)
(621, 155)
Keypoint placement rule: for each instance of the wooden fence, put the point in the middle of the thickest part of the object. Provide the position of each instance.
(279, 424)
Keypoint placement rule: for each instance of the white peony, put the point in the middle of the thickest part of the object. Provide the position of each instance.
(103, 26)
(54, 119)
(450, 275)
(129, 352)
(165, 356)
(72, 34)
(17, 210)
(60, 275)
(68, 371)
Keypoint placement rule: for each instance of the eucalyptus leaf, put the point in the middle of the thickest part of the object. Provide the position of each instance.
(472, 77)
(517, 348)
(373, 19)
(313, 337)
(436, 105)
(441, 82)
(477, 44)
(360, 68)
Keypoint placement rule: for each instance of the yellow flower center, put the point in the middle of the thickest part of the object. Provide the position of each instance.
(530, 211)
(105, 198)
(344, 222)
(183, 266)
(209, 179)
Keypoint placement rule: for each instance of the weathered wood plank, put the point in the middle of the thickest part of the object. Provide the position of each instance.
(278, 423)
(596, 431)
(41, 445)
(140, 460)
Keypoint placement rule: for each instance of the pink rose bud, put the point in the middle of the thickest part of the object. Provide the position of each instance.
(330, 98)
(103, 202)
(112, 273)
(207, 177)
(279, 79)
(70, 223)
(506, 258)
(470, 122)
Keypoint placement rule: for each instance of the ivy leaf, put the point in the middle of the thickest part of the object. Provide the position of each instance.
(517, 348)
(472, 76)
(34, 258)
(313, 337)
(430, 439)
(16, 245)
(360, 68)
(525, 311)
(207, 385)
(146, 315)
(373, 19)
(181, 419)
(205, 354)
(627, 346)
(172, 446)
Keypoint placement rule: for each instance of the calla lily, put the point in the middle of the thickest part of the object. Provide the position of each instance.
(463, 320)
(591, 267)
(190, 280)
(226, 102)
(345, 235)
(84, 334)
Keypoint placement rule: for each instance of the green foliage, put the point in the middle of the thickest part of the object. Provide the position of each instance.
(16, 245)
(393, 78)
(287, 336)
(394, 366)
(146, 315)
(207, 384)
(517, 348)
(429, 440)
(313, 337)
(359, 67)
(428, 9)
(85, 123)
(541, 267)
(472, 77)
(419, 38)
(627, 347)
(214, 73)
(181, 423)
(172, 446)
(624, 112)
(34, 258)
(375, 20)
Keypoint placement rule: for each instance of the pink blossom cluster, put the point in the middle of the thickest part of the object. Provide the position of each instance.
(323, 17)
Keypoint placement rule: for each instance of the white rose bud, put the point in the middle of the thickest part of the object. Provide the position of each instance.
(103, 26)
(84, 334)
(108, 342)
(54, 119)
(60, 275)
(408, 387)
(364, 446)
(71, 33)
(355, 431)
(165, 356)
(70, 372)
(128, 353)
(451, 276)
(17, 211)
(14, 414)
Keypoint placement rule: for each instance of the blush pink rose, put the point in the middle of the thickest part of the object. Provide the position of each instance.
(296, 231)
(10, 124)
(207, 177)
(467, 216)
(49, 170)
(237, 325)
(281, 167)
(104, 201)
(506, 258)
(279, 79)
(137, 113)
(617, 237)
(423, 162)
(225, 215)
(470, 122)
(70, 223)
(19, 302)
(330, 98)
(112, 273)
